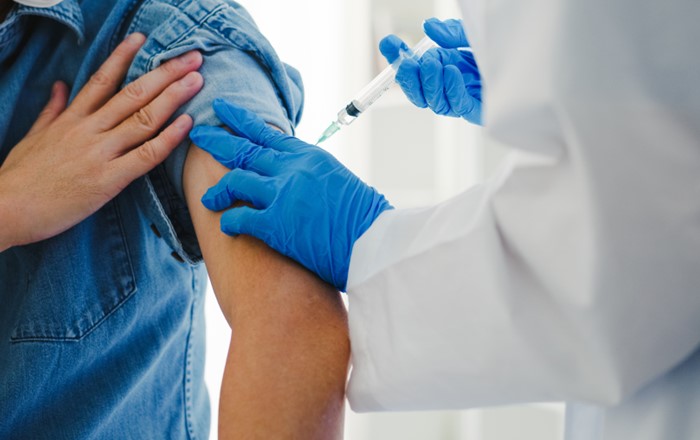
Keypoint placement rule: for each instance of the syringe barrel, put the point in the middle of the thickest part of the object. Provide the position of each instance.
(376, 88)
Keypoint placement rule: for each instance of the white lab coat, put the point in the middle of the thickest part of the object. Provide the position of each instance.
(575, 274)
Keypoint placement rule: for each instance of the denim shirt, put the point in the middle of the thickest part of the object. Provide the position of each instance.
(101, 327)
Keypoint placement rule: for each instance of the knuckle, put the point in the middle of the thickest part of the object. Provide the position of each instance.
(271, 137)
(270, 186)
(72, 115)
(233, 177)
(48, 112)
(250, 156)
(100, 78)
(135, 91)
(167, 138)
(173, 93)
(145, 119)
(169, 67)
(148, 153)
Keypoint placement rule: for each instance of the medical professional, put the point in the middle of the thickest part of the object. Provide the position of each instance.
(574, 275)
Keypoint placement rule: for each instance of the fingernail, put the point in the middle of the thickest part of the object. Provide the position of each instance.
(192, 57)
(183, 123)
(135, 38)
(191, 79)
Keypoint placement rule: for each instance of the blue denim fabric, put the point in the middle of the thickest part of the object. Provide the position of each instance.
(101, 327)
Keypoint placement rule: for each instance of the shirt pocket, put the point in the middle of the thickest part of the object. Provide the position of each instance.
(74, 281)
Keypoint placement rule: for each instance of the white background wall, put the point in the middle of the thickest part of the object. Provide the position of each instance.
(412, 156)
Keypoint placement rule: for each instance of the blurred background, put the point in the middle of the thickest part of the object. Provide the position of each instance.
(412, 156)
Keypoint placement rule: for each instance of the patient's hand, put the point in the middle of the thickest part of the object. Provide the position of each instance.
(76, 159)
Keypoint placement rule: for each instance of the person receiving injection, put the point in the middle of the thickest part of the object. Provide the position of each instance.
(446, 80)
(569, 276)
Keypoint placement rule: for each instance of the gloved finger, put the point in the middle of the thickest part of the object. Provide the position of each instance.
(235, 152)
(449, 56)
(471, 78)
(469, 69)
(468, 57)
(249, 125)
(462, 59)
(391, 47)
(449, 34)
(431, 73)
(239, 185)
(224, 146)
(461, 102)
(408, 77)
(474, 91)
(247, 221)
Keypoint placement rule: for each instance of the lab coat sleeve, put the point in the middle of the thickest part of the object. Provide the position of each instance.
(574, 274)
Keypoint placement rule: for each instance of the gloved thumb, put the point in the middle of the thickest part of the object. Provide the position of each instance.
(391, 47)
(448, 34)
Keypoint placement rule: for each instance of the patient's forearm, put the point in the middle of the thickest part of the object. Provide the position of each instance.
(287, 362)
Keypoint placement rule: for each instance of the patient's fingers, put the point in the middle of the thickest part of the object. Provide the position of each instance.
(145, 123)
(104, 83)
(145, 89)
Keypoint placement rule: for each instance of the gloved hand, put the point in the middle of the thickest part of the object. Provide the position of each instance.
(305, 204)
(445, 79)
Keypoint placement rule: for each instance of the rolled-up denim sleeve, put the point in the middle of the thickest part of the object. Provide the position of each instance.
(239, 65)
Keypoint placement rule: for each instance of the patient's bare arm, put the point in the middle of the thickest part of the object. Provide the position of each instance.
(288, 357)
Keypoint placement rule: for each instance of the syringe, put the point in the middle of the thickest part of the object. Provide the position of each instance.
(374, 90)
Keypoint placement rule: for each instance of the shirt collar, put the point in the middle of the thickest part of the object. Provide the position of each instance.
(67, 12)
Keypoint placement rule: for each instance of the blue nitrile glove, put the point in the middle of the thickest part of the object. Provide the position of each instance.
(445, 79)
(306, 204)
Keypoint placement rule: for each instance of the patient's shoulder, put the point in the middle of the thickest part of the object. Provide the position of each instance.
(240, 63)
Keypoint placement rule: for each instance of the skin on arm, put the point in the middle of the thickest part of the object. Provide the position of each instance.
(288, 357)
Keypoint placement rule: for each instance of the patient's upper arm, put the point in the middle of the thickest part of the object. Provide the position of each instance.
(288, 356)
(239, 65)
